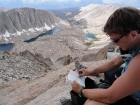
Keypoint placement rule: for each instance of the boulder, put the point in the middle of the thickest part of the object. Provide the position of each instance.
(37, 58)
(66, 60)
(99, 54)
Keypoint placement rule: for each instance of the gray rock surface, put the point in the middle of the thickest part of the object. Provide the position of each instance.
(26, 78)
(17, 67)
(25, 23)
(46, 89)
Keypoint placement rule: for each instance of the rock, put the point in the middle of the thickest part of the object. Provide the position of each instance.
(66, 60)
(99, 54)
(24, 65)
(102, 54)
(46, 89)
(38, 58)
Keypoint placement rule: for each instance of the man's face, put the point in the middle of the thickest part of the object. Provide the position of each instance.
(121, 41)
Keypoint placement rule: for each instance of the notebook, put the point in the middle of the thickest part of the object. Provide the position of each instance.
(73, 75)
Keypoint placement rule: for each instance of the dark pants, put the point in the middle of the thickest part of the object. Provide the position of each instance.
(126, 101)
(109, 79)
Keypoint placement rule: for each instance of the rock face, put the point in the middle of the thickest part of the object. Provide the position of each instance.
(96, 55)
(26, 23)
(66, 60)
(28, 65)
(95, 13)
(25, 65)
(36, 58)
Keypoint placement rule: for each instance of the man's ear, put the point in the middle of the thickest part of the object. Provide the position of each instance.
(134, 34)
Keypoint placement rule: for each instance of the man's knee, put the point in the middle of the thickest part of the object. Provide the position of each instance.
(92, 102)
(87, 101)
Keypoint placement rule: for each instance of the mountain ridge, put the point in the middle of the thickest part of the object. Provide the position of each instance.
(25, 23)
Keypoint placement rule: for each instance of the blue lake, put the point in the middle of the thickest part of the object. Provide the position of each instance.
(9, 46)
(49, 32)
(6, 47)
(89, 35)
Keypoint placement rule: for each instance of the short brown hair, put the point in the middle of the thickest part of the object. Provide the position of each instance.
(122, 21)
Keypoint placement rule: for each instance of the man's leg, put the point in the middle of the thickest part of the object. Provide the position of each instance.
(92, 102)
(126, 101)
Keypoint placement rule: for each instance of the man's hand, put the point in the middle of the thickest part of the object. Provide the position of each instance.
(76, 87)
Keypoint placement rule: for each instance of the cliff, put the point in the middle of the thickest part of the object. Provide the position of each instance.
(25, 23)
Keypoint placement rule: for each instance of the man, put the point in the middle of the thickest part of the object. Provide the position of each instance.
(123, 28)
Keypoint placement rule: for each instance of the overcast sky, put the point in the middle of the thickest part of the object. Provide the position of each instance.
(58, 4)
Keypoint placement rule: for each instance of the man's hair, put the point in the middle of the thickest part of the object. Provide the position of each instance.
(122, 21)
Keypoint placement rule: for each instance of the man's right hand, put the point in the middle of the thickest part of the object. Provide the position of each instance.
(87, 72)
(84, 72)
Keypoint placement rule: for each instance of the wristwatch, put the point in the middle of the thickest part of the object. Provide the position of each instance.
(80, 93)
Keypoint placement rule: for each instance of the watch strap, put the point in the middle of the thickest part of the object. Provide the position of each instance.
(80, 93)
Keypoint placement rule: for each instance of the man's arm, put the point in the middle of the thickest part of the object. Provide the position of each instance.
(125, 85)
(110, 65)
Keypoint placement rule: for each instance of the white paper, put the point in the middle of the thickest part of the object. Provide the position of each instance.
(72, 75)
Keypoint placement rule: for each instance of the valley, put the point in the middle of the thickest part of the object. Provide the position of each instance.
(33, 72)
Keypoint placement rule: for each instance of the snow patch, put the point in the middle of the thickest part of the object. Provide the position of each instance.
(31, 30)
(0, 36)
(19, 33)
(63, 22)
(7, 34)
(38, 29)
(27, 33)
(24, 30)
(68, 13)
(52, 26)
(6, 39)
(47, 27)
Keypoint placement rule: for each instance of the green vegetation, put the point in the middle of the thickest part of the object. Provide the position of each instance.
(87, 44)
(90, 43)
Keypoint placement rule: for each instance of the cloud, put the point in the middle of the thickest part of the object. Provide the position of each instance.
(77, 0)
(32, 1)
(121, 2)
(68, 0)
(43, 1)
(57, 4)
(134, 3)
(62, 0)
(47, 4)
(7, 1)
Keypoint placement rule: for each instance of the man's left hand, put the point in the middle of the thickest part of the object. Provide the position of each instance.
(76, 87)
